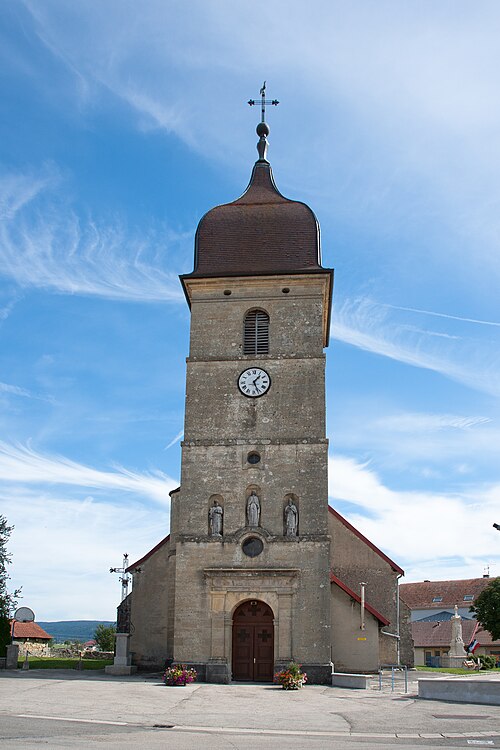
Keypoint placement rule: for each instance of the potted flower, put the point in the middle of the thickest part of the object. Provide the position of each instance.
(291, 678)
(179, 675)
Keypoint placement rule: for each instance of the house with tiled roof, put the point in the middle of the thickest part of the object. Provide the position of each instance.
(432, 606)
(29, 636)
(436, 600)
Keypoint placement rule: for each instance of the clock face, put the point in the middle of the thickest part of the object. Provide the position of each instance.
(254, 382)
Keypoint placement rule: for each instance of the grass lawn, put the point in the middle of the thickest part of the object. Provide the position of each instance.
(455, 670)
(40, 662)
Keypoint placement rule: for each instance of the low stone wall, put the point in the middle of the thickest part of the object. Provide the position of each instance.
(345, 680)
(461, 690)
(33, 648)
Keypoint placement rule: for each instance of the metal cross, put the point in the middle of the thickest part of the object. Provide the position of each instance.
(125, 578)
(263, 102)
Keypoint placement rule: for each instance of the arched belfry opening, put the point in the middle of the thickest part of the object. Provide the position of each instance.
(253, 642)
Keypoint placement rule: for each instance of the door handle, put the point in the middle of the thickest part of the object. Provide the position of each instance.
(254, 660)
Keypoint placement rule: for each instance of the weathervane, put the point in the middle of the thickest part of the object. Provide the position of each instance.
(263, 128)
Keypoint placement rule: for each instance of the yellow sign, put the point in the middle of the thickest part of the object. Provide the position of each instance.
(361, 639)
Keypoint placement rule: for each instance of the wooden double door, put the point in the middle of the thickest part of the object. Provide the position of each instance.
(253, 642)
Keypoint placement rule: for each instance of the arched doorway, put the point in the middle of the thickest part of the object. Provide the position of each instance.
(253, 642)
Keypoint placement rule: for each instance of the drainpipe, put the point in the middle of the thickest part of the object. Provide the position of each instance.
(362, 626)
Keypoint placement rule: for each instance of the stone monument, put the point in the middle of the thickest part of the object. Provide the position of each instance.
(457, 652)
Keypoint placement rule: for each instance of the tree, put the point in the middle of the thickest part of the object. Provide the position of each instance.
(487, 608)
(7, 601)
(105, 637)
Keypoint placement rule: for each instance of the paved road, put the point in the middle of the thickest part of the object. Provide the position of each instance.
(62, 709)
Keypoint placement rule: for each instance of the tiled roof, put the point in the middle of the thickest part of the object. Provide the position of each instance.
(260, 233)
(438, 634)
(446, 593)
(29, 630)
(382, 620)
(484, 637)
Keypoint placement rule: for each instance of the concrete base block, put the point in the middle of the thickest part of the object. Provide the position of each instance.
(453, 661)
(217, 671)
(460, 690)
(317, 674)
(120, 669)
(354, 681)
(12, 656)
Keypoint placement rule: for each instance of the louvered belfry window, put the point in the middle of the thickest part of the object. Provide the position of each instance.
(256, 333)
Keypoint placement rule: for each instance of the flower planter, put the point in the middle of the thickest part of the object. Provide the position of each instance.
(291, 678)
(178, 675)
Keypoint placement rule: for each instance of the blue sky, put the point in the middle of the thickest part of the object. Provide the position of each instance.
(120, 126)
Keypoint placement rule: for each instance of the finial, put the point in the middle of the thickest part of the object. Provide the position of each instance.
(263, 128)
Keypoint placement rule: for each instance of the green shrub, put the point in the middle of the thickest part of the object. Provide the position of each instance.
(487, 662)
(40, 662)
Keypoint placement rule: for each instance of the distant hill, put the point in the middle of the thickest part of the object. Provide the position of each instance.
(73, 630)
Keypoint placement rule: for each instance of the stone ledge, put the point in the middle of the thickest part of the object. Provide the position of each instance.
(460, 690)
(346, 680)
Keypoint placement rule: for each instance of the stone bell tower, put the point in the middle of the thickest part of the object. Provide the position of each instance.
(248, 559)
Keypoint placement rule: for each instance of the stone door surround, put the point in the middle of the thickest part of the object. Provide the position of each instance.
(229, 587)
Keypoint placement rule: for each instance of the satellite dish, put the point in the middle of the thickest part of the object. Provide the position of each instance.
(24, 614)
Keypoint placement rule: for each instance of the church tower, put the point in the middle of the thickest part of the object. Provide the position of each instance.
(249, 547)
(257, 569)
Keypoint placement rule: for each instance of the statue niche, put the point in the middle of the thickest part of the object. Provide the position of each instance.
(215, 516)
(253, 509)
(291, 516)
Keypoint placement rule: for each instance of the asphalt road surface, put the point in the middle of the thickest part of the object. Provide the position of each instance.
(74, 710)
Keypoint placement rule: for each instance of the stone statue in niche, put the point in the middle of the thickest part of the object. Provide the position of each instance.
(291, 518)
(215, 516)
(253, 509)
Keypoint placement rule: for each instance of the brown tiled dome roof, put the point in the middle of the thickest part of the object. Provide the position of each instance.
(261, 232)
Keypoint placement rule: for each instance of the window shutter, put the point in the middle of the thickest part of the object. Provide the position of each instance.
(256, 333)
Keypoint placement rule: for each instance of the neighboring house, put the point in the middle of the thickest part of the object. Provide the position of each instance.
(435, 600)
(432, 641)
(31, 638)
(432, 605)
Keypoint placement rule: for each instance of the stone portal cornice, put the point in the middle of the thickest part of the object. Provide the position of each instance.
(252, 579)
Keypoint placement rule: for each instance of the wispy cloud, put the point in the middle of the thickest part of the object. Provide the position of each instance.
(19, 189)
(443, 315)
(368, 326)
(409, 525)
(174, 440)
(22, 464)
(44, 244)
(66, 544)
(15, 390)
(414, 422)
